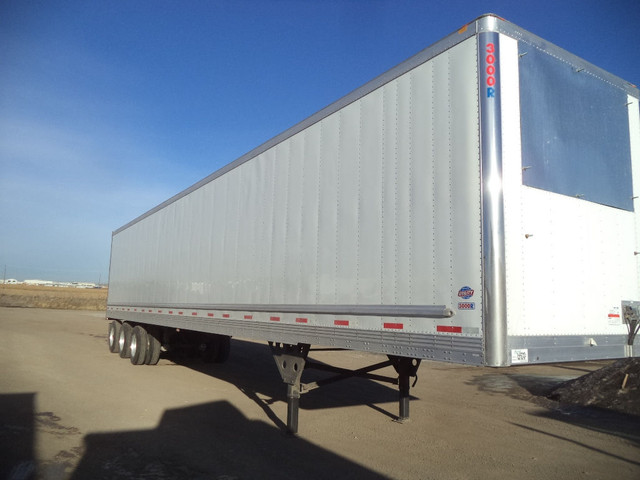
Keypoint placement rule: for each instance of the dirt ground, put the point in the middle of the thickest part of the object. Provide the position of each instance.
(69, 409)
(64, 298)
(613, 387)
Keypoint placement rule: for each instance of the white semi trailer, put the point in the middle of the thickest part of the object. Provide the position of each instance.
(478, 203)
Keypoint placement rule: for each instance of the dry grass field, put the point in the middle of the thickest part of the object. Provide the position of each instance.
(32, 296)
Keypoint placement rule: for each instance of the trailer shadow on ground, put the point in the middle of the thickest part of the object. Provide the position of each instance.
(17, 435)
(252, 369)
(212, 440)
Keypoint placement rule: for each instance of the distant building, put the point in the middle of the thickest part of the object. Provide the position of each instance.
(50, 283)
(46, 283)
(11, 281)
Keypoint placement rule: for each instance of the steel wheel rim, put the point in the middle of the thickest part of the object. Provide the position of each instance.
(133, 345)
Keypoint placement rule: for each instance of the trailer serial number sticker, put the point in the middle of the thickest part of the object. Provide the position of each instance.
(520, 355)
(466, 306)
(466, 293)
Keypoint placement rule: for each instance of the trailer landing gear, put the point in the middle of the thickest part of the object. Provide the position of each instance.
(291, 361)
(405, 368)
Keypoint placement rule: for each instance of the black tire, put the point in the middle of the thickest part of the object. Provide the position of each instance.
(153, 346)
(113, 337)
(217, 350)
(138, 345)
(209, 350)
(224, 349)
(124, 340)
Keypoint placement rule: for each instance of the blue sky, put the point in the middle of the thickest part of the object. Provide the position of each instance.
(109, 108)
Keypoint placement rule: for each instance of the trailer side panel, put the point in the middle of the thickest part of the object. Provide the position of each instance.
(376, 204)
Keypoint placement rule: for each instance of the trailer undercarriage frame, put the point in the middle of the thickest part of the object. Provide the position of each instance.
(291, 360)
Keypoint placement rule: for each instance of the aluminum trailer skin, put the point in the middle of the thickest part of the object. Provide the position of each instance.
(475, 204)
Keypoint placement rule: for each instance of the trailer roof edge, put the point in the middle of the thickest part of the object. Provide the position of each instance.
(484, 23)
(412, 62)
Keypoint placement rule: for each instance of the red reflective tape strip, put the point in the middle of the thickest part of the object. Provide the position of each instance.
(248, 317)
(159, 311)
(341, 323)
(394, 326)
(301, 320)
(180, 313)
(448, 329)
(274, 319)
(225, 315)
(614, 315)
(194, 313)
(209, 314)
(171, 312)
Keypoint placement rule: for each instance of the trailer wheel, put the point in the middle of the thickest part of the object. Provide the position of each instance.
(124, 340)
(138, 345)
(224, 349)
(114, 334)
(153, 347)
(217, 350)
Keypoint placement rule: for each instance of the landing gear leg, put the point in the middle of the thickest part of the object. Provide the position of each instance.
(291, 360)
(405, 368)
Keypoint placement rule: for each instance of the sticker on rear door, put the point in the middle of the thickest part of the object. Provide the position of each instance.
(614, 316)
(520, 355)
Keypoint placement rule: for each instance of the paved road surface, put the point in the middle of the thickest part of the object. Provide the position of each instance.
(70, 409)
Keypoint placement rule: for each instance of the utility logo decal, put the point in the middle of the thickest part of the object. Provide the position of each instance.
(465, 293)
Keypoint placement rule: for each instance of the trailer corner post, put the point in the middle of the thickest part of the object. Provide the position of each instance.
(493, 246)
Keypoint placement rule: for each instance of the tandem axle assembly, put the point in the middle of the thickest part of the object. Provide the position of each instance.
(291, 361)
